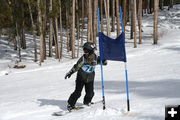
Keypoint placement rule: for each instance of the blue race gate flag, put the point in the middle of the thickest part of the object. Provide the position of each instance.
(112, 49)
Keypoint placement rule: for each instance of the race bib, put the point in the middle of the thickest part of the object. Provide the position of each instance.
(88, 68)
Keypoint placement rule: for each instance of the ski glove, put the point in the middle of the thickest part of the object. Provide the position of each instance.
(104, 62)
(68, 74)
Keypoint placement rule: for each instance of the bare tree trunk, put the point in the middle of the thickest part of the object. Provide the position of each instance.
(132, 16)
(106, 4)
(89, 20)
(41, 32)
(18, 39)
(118, 17)
(82, 27)
(95, 21)
(77, 18)
(171, 4)
(124, 16)
(156, 21)
(50, 29)
(134, 20)
(57, 39)
(33, 31)
(161, 4)
(61, 34)
(73, 29)
(44, 28)
(23, 28)
(140, 21)
(15, 43)
(67, 26)
(128, 11)
(102, 30)
(113, 15)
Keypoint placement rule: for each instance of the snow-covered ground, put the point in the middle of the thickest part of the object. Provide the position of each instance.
(35, 92)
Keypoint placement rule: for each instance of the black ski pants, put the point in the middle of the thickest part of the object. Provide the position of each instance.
(89, 90)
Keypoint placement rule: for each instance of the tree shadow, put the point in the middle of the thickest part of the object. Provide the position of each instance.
(174, 48)
(159, 89)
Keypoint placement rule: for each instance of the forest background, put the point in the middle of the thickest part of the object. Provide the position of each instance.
(64, 25)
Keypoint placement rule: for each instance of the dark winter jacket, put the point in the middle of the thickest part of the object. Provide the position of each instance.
(86, 67)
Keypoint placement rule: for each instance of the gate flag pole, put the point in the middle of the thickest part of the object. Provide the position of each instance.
(102, 80)
(127, 89)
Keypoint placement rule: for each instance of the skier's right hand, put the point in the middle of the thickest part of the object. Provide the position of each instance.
(68, 75)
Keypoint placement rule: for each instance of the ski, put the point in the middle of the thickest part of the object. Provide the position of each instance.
(64, 112)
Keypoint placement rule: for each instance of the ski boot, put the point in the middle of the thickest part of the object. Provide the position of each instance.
(70, 108)
(88, 103)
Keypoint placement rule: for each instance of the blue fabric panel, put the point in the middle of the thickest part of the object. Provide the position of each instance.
(112, 49)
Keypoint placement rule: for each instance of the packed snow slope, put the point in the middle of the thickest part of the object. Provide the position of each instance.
(35, 92)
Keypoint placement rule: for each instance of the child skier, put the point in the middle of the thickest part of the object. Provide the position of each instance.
(85, 75)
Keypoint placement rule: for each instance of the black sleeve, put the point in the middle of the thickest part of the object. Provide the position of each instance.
(78, 65)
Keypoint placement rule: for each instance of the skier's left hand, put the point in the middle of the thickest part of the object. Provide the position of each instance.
(104, 62)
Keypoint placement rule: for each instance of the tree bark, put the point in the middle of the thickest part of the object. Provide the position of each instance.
(124, 16)
(33, 32)
(132, 16)
(18, 39)
(57, 39)
(73, 29)
(82, 27)
(67, 26)
(140, 21)
(50, 29)
(44, 22)
(161, 4)
(23, 28)
(102, 30)
(134, 20)
(156, 21)
(118, 17)
(89, 21)
(95, 21)
(41, 32)
(61, 34)
(113, 15)
(77, 20)
(106, 5)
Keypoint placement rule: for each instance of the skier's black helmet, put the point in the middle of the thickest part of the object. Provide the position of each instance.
(89, 47)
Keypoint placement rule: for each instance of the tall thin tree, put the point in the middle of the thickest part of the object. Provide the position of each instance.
(134, 20)
(60, 21)
(41, 31)
(95, 21)
(89, 21)
(140, 21)
(50, 28)
(33, 31)
(82, 19)
(113, 15)
(118, 17)
(73, 29)
(156, 4)
(67, 26)
(124, 15)
(102, 29)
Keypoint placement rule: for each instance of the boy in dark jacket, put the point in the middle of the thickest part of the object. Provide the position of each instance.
(85, 75)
